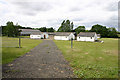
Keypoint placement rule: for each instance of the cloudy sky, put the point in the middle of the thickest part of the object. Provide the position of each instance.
(50, 13)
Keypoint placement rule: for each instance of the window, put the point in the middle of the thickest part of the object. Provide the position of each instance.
(66, 36)
(91, 37)
(79, 37)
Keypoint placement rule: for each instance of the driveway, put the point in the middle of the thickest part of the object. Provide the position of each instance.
(43, 61)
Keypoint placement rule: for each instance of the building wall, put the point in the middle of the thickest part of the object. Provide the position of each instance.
(46, 35)
(71, 36)
(95, 37)
(51, 37)
(92, 39)
(65, 37)
(61, 37)
(35, 36)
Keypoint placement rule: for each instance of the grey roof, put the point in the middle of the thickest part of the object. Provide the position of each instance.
(51, 33)
(28, 31)
(86, 34)
(63, 33)
(36, 33)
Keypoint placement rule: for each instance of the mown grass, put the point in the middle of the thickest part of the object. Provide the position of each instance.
(11, 53)
(92, 59)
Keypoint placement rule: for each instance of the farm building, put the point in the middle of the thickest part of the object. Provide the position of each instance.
(44, 35)
(64, 35)
(39, 35)
(98, 36)
(87, 36)
(35, 35)
(51, 35)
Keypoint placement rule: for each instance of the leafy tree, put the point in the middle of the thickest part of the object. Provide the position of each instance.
(99, 29)
(50, 29)
(66, 26)
(10, 29)
(43, 29)
(112, 32)
(80, 29)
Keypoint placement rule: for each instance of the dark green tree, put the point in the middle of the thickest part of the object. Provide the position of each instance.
(112, 32)
(10, 29)
(50, 29)
(66, 26)
(43, 29)
(80, 29)
(99, 29)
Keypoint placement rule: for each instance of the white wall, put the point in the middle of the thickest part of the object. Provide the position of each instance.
(35, 36)
(85, 39)
(71, 36)
(95, 36)
(46, 35)
(65, 37)
(61, 37)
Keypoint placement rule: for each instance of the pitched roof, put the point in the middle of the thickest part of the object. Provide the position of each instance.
(29, 30)
(63, 33)
(86, 34)
(36, 33)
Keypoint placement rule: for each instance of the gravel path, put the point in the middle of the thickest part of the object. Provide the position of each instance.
(43, 61)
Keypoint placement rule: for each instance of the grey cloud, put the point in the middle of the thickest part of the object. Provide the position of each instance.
(75, 9)
(112, 7)
(32, 8)
(77, 19)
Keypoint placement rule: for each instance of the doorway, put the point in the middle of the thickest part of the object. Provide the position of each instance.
(44, 37)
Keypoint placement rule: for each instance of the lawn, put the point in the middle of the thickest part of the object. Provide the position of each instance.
(92, 59)
(11, 53)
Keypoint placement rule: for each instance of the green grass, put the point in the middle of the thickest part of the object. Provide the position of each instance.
(11, 53)
(92, 59)
(25, 36)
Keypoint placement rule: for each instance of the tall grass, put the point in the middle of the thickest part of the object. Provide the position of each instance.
(92, 59)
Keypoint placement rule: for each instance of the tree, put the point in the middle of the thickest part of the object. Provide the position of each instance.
(50, 29)
(10, 29)
(43, 29)
(112, 32)
(80, 29)
(66, 26)
(99, 29)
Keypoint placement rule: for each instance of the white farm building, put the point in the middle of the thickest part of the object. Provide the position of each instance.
(87, 36)
(64, 36)
(39, 35)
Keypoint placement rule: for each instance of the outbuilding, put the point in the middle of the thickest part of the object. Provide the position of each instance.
(39, 35)
(64, 36)
(87, 36)
(35, 35)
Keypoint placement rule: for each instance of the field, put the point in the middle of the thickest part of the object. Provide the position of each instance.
(11, 53)
(92, 59)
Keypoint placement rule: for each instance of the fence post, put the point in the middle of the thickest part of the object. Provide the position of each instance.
(19, 41)
(71, 43)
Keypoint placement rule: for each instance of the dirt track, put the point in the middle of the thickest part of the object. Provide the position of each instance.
(43, 61)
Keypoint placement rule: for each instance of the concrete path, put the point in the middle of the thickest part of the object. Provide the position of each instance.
(43, 61)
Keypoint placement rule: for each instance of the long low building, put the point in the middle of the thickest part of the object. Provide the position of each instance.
(87, 36)
(82, 36)
(64, 36)
(39, 35)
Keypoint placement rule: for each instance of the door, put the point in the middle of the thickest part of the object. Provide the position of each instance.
(44, 37)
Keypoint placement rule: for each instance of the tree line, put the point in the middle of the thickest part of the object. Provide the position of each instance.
(12, 30)
(67, 26)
